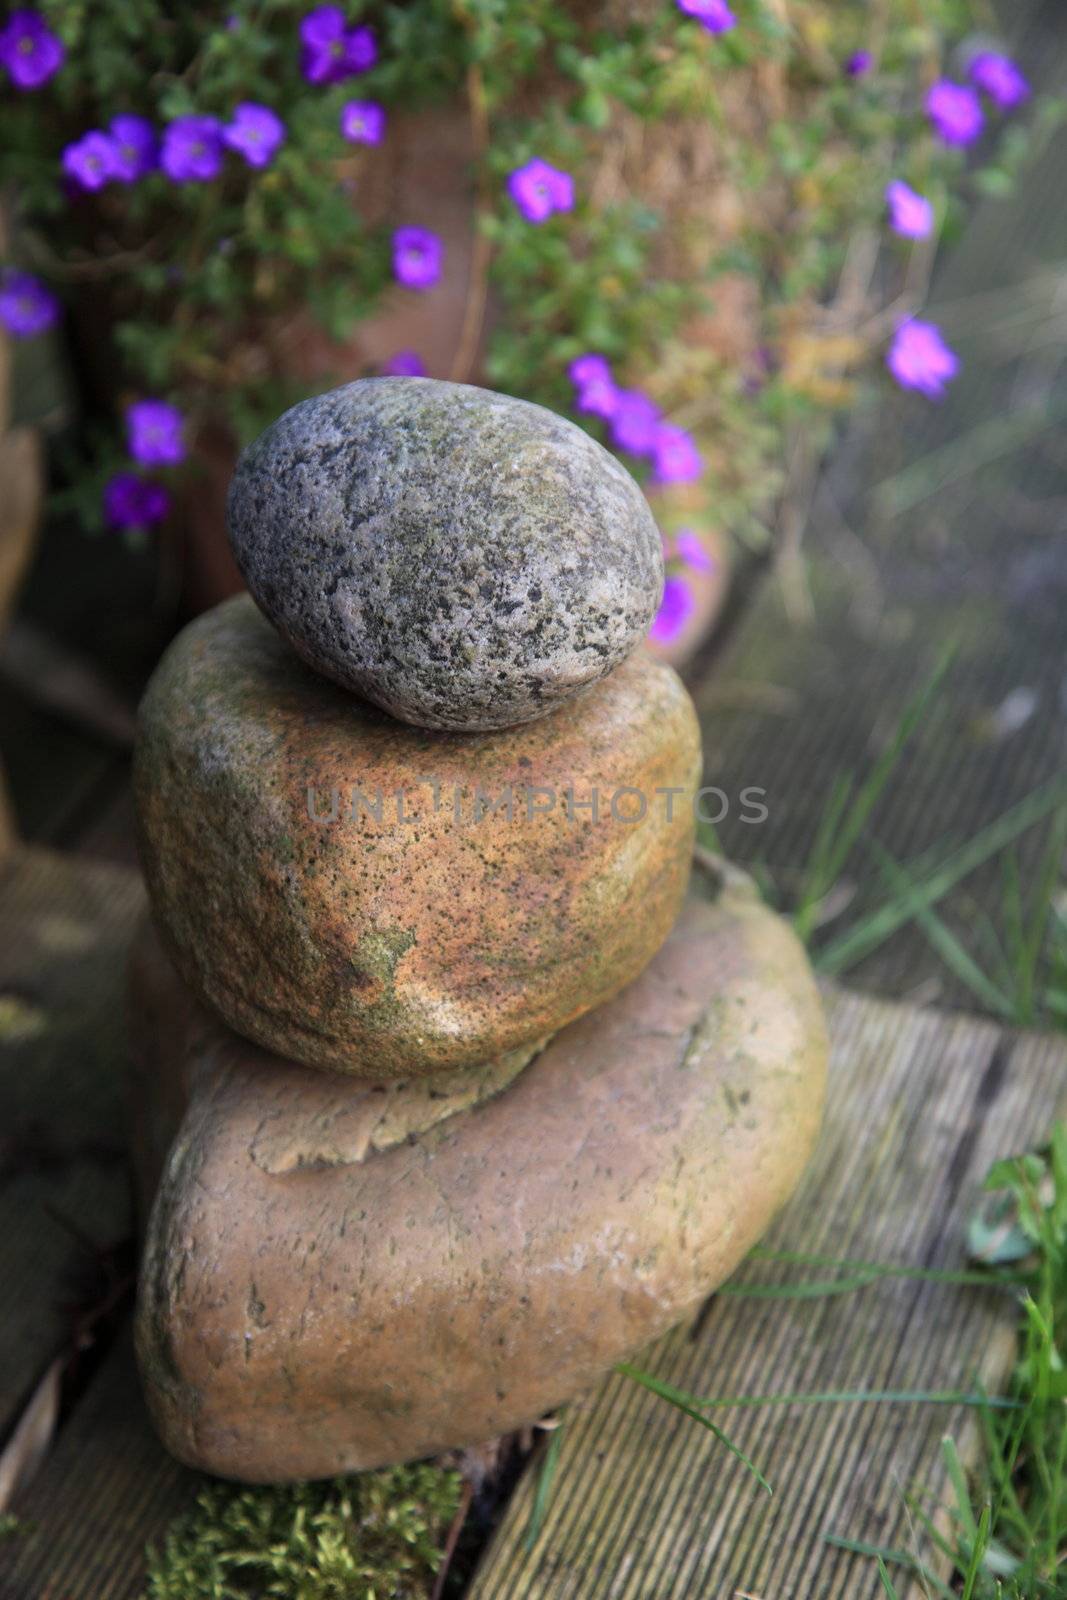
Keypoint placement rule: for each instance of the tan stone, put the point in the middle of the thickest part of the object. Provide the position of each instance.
(307, 1121)
(343, 1313)
(387, 945)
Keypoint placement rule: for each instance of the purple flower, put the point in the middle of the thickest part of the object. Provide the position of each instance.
(154, 433)
(538, 190)
(920, 359)
(331, 51)
(692, 551)
(131, 502)
(910, 214)
(361, 51)
(26, 306)
(714, 14)
(591, 376)
(1000, 78)
(256, 132)
(859, 63)
(417, 256)
(634, 422)
(599, 399)
(135, 147)
(29, 50)
(322, 33)
(955, 112)
(589, 368)
(675, 455)
(192, 149)
(92, 160)
(363, 122)
(405, 364)
(676, 608)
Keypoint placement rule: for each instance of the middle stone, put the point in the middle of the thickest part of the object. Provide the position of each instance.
(373, 898)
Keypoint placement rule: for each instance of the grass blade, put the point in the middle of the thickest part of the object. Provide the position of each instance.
(545, 1478)
(837, 837)
(967, 1278)
(898, 1558)
(928, 1397)
(814, 1290)
(958, 1479)
(866, 936)
(974, 1566)
(817, 876)
(887, 1582)
(688, 1404)
(948, 947)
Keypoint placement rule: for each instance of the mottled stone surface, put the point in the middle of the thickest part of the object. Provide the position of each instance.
(308, 1119)
(344, 1314)
(413, 934)
(461, 558)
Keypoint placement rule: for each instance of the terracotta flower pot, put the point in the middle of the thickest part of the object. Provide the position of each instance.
(420, 174)
(697, 553)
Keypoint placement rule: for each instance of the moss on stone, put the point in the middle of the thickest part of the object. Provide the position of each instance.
(378, 1536)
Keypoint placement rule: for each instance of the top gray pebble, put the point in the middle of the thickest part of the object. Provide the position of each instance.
(462, 559)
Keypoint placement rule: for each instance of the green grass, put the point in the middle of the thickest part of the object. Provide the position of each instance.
(849, 808)
(1002, 1532)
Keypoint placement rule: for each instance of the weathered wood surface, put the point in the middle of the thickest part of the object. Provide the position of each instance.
(64, 1187)
(646, 1506)
(107, 1491)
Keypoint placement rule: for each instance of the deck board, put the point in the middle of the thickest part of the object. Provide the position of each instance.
(64, 928)
(107, 1492)
(646, 1507)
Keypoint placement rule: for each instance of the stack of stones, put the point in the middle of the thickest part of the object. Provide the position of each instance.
(447, 1096)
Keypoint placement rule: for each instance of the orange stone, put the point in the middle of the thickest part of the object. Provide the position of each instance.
(362, 896)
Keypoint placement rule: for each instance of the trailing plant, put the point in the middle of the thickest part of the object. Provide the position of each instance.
(673, 189)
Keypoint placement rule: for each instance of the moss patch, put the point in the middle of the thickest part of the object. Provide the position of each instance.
(377, 1536)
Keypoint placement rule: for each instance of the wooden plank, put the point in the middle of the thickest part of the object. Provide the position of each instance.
(109, 1490)
(64, 930)
(646, 1507)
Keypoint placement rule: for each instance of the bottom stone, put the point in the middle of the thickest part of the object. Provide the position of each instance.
(311, 1303)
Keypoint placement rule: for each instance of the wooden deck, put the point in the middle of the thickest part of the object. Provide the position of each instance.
(645, 1506)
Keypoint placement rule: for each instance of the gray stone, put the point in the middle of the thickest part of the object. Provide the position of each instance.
(463, 559)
